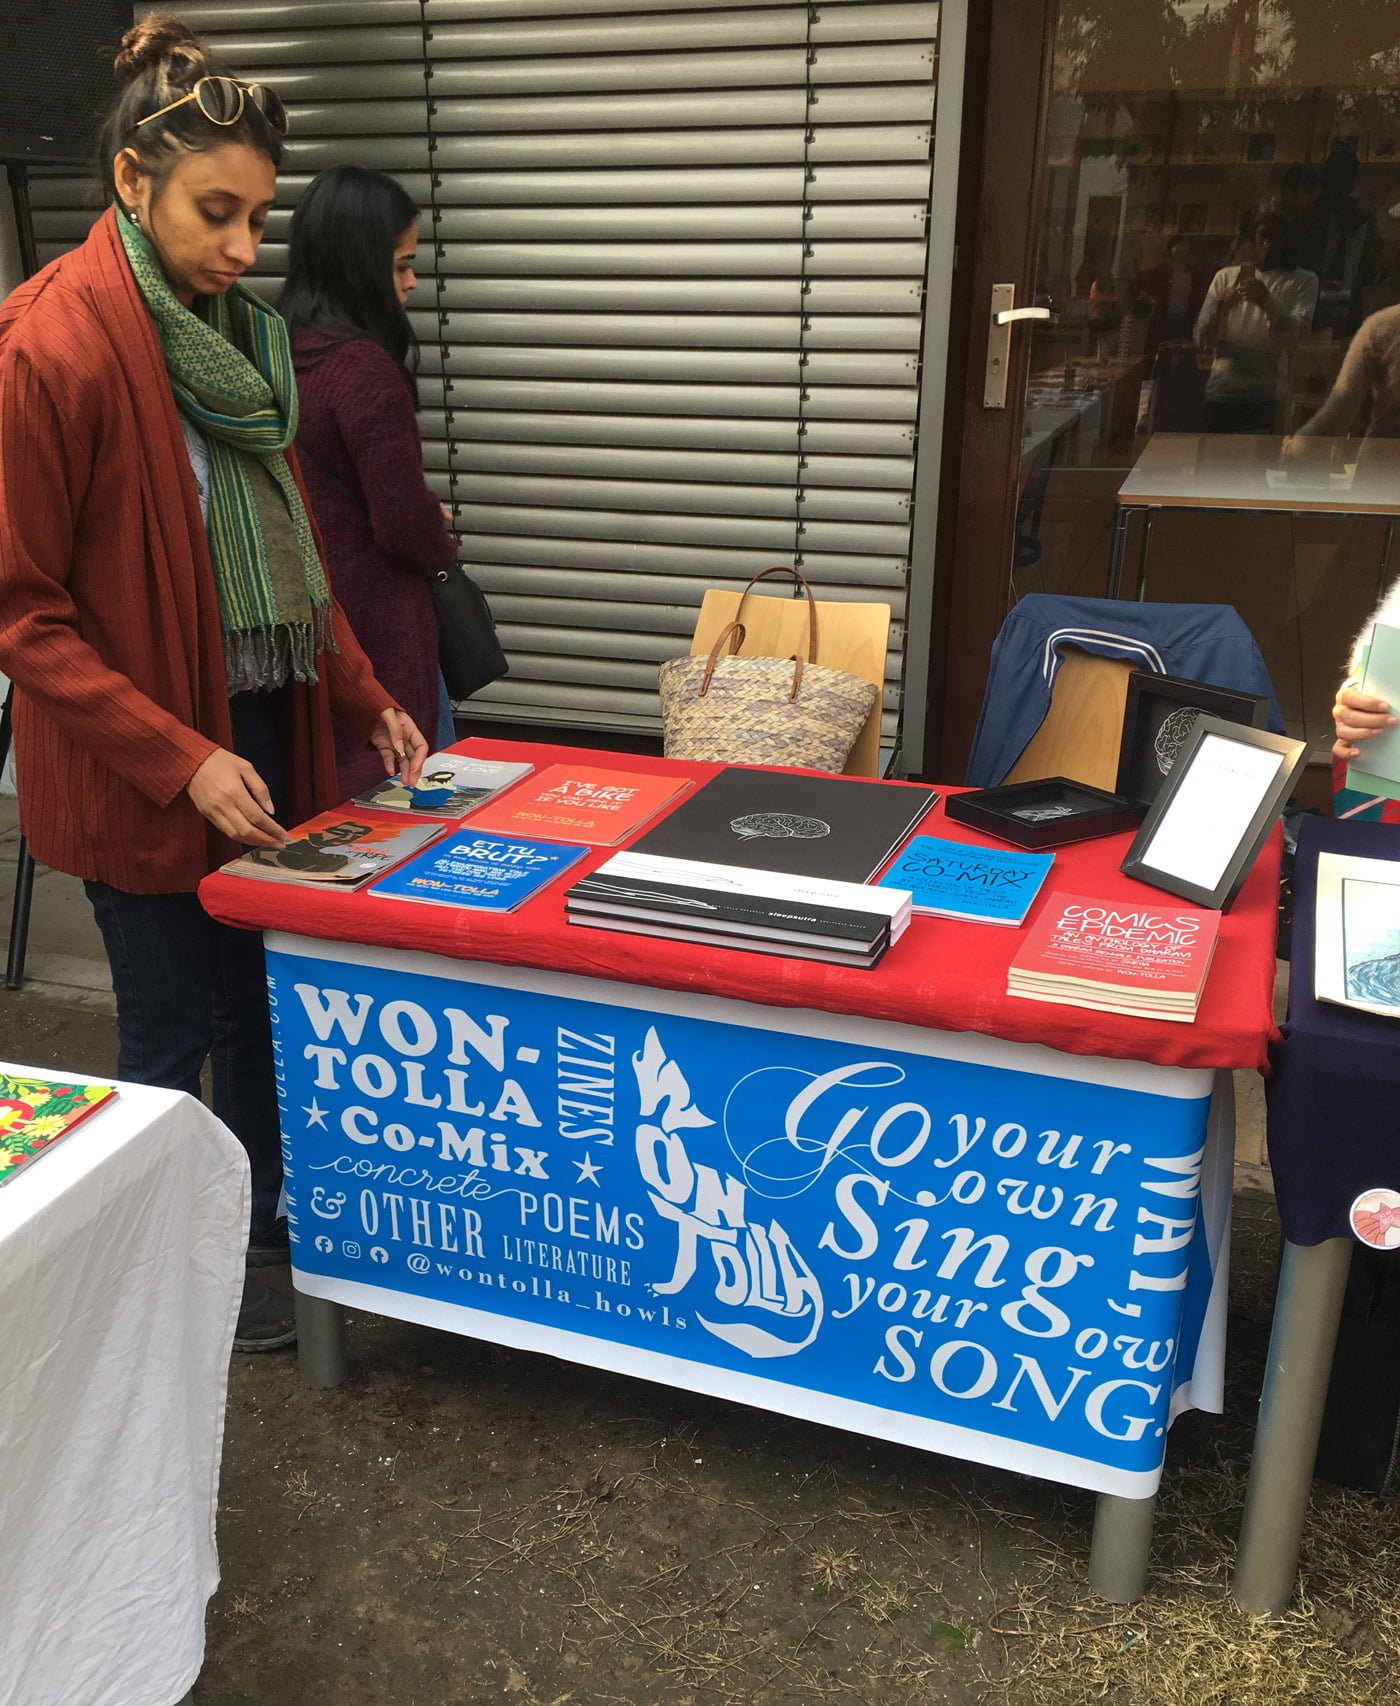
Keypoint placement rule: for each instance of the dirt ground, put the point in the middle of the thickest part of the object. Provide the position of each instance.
(460, 1524)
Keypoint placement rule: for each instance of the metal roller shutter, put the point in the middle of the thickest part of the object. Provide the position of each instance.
(672, 301)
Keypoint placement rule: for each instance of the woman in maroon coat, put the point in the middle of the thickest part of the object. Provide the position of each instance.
(350, 269)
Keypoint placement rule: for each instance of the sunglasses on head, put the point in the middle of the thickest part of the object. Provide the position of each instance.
(221, 100)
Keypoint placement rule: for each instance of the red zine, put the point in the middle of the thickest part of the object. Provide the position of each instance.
(1121, 956)
(570, 802)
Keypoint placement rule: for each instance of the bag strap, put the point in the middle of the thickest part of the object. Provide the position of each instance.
(734, 632)
(801, 580)
(356, 498)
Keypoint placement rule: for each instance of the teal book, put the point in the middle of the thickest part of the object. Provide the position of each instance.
(951, 879)
(1377, 771)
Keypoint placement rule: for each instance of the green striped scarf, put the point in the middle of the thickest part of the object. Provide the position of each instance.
(232, 376)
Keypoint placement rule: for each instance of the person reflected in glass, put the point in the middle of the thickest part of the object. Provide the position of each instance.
(1368, 384)
(350, 271)
(1253, 313)
(1175, 289)
(1340, 242)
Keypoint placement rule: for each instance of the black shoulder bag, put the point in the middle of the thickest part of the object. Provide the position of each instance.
(469, 651)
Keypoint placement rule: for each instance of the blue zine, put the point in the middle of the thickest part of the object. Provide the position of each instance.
(489, 873)
(950, 879)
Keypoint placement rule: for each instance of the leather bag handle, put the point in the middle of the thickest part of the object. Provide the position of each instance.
(801, 580)
(734, 632)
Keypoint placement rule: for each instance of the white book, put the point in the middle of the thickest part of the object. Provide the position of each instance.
(1356, 946)
(747, 943)
(818, 892)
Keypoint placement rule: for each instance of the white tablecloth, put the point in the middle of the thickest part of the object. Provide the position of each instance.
(121, 1267)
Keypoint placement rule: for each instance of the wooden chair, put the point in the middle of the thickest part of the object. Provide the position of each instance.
(1083, 728)
(851, 637)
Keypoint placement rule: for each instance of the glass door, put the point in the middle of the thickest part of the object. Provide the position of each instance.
(1212, 410)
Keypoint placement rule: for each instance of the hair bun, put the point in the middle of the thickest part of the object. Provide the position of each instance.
(155, 40)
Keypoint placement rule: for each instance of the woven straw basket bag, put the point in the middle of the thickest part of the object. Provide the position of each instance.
(728, 709)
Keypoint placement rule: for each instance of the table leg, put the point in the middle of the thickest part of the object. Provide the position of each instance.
(1145, 553)
(1307, 1309)
(1119, 1550)
(1120, 545)
(1386, 551)
(320, 1340)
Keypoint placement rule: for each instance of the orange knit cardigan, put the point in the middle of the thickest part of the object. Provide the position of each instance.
(109, 617)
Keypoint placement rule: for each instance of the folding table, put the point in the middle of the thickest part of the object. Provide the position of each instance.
(896, 1201)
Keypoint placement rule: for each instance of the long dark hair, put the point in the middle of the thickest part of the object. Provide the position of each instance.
(340, 268)
(160, 59)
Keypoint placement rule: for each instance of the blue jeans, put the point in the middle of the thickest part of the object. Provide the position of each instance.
(190, 990)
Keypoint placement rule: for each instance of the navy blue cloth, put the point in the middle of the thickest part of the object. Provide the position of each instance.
(1198, 642)
(190, 990)
(1334, 1090)
(446, 723)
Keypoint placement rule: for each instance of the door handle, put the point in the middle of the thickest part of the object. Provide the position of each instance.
(1004, 315)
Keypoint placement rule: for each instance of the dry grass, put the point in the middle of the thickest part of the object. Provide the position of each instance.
(1187, 1643)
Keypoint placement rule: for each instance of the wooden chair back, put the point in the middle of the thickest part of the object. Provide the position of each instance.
(1083, 729)
(850, 637)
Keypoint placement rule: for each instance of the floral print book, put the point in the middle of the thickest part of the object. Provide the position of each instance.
(36, 1112)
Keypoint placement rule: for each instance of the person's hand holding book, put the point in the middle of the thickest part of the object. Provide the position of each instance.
(1356, 716)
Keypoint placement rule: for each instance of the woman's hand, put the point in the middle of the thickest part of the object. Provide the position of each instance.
(1253, 291)
(397, 741)
(1356, 718)
(229, 792)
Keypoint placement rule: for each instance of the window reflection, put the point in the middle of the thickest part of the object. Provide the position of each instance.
(1220, 243)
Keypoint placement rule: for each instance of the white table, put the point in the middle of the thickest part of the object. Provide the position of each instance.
(121, 1269)
(1249, 473)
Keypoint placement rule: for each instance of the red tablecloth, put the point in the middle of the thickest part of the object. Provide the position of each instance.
(947, 975)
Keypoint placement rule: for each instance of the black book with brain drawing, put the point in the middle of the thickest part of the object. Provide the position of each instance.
(840, 827)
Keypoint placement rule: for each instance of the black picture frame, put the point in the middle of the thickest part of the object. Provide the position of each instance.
(1157, 721)
(1211, 816)
(1051, 811)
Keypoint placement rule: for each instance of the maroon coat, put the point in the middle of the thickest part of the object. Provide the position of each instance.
(384, 533)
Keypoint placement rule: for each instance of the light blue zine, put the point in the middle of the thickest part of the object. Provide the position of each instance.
(979, 883)
(488, 873)
(1006, 1252)
(1377, 771)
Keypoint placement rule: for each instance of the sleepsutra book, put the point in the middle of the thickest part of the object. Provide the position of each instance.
(731, 901)
(841, 827)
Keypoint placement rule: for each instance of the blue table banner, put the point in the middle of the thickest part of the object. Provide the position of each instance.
(982, 1259)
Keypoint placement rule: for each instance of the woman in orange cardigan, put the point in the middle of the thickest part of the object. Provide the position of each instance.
(164, 612)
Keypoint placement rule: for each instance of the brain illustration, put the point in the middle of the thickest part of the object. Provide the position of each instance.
(779, 826)
(1173, 735)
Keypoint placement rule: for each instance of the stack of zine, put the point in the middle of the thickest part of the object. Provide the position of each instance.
(1146, 961)
(732, 906)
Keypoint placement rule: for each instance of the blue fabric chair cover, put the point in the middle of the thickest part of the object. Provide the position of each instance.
(1198, 642)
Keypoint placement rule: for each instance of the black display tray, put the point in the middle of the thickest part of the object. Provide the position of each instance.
(1049, 812)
